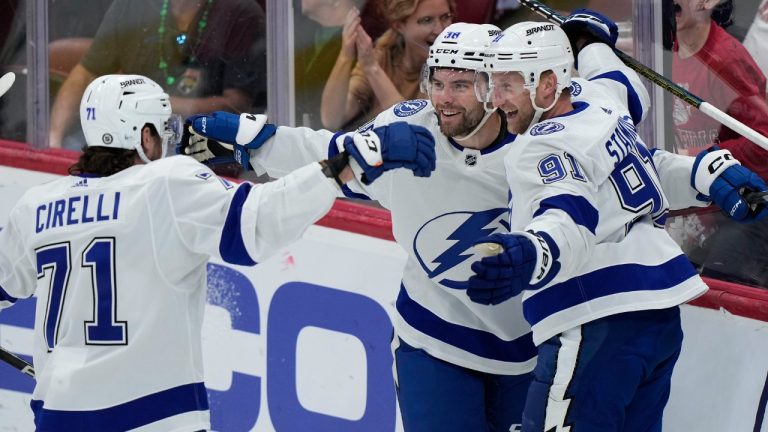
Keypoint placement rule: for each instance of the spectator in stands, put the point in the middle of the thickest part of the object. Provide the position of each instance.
(208, 55)
(756, 41)
(318, 28)
(367, 79)
(71, 27)
(716, 67)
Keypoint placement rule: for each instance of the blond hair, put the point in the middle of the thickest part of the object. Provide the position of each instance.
(390, 47)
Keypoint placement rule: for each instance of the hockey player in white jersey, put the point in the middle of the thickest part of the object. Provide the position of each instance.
(601, 279)
(116, 254)
(460, 366)
(449, 353)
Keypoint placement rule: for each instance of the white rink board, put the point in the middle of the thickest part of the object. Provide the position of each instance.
(300, 342)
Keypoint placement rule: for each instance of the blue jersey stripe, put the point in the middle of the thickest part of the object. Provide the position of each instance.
(633, 100)
(130, 415)
(605, 282)
(577, 207)
(478, 342)
(4, 296)
(232, 246)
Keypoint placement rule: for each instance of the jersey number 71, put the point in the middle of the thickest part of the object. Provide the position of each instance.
(99, 258)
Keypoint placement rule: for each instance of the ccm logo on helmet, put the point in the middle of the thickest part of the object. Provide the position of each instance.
(129, 82)
(446, 51)
(533, 30)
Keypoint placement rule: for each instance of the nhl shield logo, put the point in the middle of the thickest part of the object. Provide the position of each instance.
(470, 160)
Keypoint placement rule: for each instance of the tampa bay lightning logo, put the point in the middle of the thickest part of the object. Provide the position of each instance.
(409, 107)
(575, 88)
(546, 128)
(448, 260)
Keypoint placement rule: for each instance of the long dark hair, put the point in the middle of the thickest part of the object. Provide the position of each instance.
(103, 161)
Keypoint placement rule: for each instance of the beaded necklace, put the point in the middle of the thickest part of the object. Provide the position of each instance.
(181, 39)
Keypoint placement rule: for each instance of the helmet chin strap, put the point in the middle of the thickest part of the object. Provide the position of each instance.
(141, 153)
(477, 128)
(538, 111)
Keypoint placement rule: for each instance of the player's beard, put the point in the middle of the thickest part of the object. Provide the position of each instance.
(470, 119)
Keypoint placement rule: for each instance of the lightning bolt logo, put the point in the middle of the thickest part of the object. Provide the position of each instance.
(474, 226)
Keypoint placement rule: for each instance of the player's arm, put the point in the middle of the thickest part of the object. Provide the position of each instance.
(18, 276)
(713, 176)
(224, 137)
(258, 219)
(249, 139)
(593, 37)
(559, 237)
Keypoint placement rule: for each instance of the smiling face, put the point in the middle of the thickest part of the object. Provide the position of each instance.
(453, 96)
(508, 93)
(422, 27)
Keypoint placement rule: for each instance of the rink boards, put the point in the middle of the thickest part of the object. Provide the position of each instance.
(301, 341)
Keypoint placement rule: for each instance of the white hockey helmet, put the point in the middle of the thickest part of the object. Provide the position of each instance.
(115, 108)
(460, 46)
(532, 48)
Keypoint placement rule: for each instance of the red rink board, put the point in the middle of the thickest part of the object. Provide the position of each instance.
(737, 299)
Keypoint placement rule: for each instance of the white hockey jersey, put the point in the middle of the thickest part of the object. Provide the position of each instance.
(586, 180)
(118, 265)
(437, 219)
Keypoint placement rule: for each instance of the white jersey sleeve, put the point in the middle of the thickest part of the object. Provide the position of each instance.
(249, 222)
(17, 272)
(559, 186)
(611, 80)
(289, 149)
(675, 173)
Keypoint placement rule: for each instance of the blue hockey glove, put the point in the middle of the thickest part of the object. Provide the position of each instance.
(238, 133)
(585, 26)
(524, 261)
(397, 145)
(719, 177)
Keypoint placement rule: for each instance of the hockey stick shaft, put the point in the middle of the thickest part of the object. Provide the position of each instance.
(17, 362)
(666, 84)
(6, 81)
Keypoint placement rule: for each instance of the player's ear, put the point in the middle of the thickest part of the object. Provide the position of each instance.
(547, 84)
(146, 138)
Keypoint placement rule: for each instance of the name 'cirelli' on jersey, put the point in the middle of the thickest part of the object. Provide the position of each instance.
(118, 266)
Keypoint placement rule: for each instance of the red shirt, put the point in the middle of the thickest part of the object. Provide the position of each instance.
(724, 74)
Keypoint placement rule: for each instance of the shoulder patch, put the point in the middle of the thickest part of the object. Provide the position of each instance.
(547, 128)
(575, 88)
(205, 175)
(409, 107)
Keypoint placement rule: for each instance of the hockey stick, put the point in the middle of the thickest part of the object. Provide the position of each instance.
(6, 82)
(664, 83)
(16, 362)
